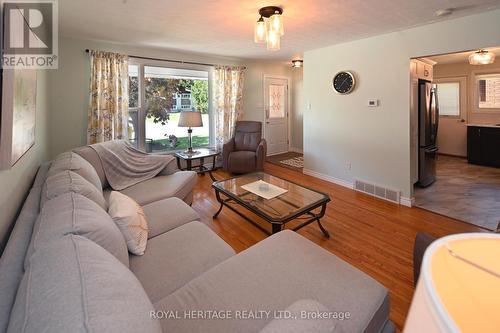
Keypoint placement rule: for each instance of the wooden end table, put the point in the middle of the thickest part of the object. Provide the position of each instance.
(199, 154)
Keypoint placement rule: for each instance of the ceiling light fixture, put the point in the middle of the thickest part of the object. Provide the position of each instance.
(297, 63)
(269, 27)
(444, 12)
(482, 57)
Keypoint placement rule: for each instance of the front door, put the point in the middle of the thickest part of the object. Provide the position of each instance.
(276, 115)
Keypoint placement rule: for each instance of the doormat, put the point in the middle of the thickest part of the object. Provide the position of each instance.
(296, 162)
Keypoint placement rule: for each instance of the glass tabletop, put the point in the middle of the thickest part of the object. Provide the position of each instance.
(197, 153)
(298, 199)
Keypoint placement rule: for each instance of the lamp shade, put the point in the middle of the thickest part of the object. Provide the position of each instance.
(273, 40)
(459, 286)
(190, 119)
(260, 32)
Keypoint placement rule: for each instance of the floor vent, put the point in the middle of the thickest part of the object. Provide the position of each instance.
(377, 191)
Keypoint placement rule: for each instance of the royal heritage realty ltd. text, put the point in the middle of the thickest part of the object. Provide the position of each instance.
(249, 314)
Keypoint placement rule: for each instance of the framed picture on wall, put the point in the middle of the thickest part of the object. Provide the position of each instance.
(18, 117)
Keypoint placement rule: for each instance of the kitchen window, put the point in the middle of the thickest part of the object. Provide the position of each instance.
(157, 94)
(488, 92)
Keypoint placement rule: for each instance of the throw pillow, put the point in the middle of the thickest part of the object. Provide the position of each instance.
(131, 220)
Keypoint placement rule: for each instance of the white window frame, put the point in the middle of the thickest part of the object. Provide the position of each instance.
(142, 113)
(139, 101)
(478, 75)
(462, 81)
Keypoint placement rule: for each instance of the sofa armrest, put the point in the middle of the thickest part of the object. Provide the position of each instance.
(169, 169)
(422, 242)
(299, 324)
(261, 154)
(227, 148)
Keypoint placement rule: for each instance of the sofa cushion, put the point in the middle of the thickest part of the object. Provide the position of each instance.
(12, 258)
(167, 214)
(69, 181)
(74, 285)
(75, 163)
(299, 323)
(273, 274)
(176, 257)
(72, 213)
(91, 156)
(131, 220)
(179, 185)
(242, 161)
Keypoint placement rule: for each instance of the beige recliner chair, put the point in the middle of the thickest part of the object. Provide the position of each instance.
(246, 151)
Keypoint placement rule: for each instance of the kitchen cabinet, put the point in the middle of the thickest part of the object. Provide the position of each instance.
(483, 145)
(421, 70)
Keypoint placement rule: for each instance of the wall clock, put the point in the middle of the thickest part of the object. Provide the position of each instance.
(344, 82)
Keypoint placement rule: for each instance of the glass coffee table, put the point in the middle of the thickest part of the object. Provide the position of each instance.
(298, 203)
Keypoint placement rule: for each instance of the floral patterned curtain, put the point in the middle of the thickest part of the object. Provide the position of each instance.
(228, 91)
(108, 111)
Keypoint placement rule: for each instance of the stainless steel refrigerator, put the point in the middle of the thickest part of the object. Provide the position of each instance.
(428, 121)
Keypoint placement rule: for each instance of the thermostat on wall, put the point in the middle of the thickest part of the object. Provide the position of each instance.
(372, 102)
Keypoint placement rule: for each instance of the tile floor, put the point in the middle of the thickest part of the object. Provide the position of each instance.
(464, 191)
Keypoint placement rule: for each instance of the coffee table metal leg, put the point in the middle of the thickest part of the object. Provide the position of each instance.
(320, 215)
(325, 232)
(221, 204)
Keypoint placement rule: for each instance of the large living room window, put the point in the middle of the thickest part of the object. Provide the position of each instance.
(157, 95)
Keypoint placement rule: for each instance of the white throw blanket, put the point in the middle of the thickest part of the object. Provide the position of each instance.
(125, 166)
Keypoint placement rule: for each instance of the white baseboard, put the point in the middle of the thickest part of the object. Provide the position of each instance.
(328, 178)
(296, 150)
(406, 201)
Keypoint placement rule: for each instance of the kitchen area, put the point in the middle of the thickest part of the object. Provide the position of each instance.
(455, 135)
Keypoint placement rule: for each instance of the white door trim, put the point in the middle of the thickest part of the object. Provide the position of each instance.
(289, 88)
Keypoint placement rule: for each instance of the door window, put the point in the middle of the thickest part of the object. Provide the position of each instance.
(449, 99)
(276, 101)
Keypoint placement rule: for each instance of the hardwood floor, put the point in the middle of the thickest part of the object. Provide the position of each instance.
(373, 235)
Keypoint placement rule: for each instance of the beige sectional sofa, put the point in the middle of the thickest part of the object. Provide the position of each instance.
(66, 269)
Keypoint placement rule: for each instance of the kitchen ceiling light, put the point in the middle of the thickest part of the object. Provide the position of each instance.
(269, 27)
(297, 63)
(482, 57)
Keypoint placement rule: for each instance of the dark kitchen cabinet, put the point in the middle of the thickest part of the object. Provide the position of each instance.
(483, 145)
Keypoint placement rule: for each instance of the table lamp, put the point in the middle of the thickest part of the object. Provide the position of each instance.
(459, 286)
(190, 119)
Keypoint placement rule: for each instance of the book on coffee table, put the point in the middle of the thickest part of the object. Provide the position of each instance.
(264, 189)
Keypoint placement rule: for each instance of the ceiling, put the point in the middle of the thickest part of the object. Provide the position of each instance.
(461, 57)
(225, 27)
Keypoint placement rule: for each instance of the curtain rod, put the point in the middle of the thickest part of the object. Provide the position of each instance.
(168, 60)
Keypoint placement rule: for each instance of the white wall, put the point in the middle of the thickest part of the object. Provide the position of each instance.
(298, 106)
(341, 129)
(253, 95)
(16, 181)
